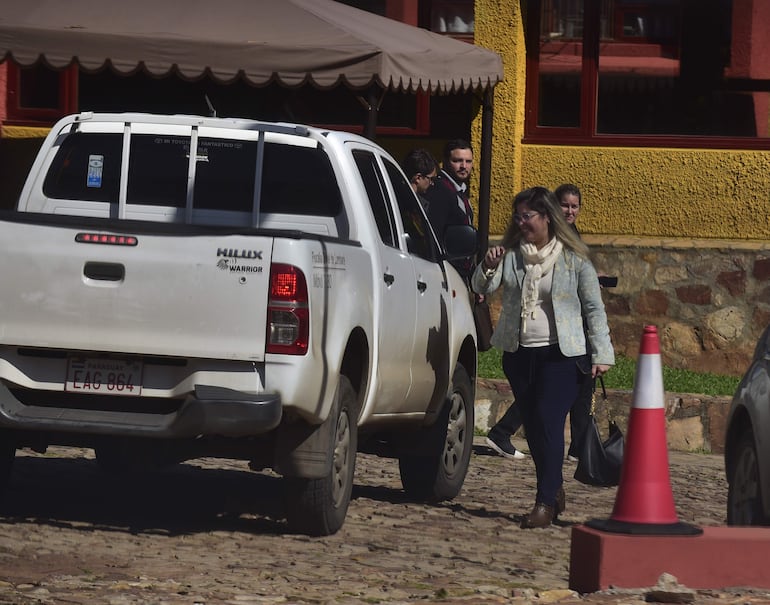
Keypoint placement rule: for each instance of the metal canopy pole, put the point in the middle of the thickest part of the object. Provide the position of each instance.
(372, 105)
(485, 176)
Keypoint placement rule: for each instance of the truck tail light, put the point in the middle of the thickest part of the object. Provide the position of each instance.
(288, 316)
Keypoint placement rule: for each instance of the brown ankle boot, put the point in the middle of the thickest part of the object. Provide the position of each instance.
(541, 516)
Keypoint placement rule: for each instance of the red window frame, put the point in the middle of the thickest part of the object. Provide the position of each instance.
(586, 133)
(67, 102)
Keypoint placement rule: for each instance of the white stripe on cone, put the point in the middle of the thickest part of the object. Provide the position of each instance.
(648, 388)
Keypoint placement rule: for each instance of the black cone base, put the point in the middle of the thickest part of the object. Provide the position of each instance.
(644, 529)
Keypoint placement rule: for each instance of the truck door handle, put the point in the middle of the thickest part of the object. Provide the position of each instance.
(422, 286)
(389, 278)
(104, 271)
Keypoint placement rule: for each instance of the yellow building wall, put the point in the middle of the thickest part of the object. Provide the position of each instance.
(694, 193)
(703, 193)
(498, 26)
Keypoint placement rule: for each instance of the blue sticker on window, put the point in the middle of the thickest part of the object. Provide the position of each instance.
(95, 169)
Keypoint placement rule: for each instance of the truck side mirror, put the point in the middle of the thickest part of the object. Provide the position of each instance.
(460, 241)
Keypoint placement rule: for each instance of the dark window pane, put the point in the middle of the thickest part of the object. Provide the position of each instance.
(561, 50)
(559, 99)
(415, 224)
(665, 67)
(157, 170)
(299, 180)
(373, 6)
(561, 19)
(639, 69)
(452, 16)
(663, 72)
(224, 175)
(38, 88)
(86, 167)
(224, 179)
(378, 200)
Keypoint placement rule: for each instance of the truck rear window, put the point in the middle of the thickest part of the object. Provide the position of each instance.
(86, 167)
(295, 179)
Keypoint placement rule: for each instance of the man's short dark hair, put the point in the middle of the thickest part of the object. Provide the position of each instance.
(455, 144)
(418, 161)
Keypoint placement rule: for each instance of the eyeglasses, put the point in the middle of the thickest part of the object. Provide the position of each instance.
(524, 218)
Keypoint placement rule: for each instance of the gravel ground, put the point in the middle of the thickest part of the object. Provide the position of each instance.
(211, 532)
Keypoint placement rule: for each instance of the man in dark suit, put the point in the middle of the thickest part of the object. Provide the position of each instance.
(448, 198)
(453, 179)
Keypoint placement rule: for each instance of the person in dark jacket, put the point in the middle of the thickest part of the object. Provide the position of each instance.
(571, 202)
(448, 199)
(421, 168)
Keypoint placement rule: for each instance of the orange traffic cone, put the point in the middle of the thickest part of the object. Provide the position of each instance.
(644, 502)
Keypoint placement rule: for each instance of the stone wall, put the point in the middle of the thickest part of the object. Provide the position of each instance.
(694, 423)
(710, 299)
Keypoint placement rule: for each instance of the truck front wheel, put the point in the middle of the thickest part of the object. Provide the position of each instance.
(440, 476)
(317, 507)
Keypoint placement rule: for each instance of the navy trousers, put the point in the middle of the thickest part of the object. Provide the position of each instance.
(545, 384)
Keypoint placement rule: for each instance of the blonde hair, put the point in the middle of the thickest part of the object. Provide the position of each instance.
(543, 201)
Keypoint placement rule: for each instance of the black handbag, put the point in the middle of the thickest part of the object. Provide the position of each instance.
(600, 462)
(483, 319)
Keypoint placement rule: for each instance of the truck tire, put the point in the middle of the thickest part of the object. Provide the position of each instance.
(317, 507)
(744, 493)
(440, 475)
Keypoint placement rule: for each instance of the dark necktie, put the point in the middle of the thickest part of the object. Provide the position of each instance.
(468, 208)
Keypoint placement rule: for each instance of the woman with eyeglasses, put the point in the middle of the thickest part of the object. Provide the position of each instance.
(549, 286)
(420, 167)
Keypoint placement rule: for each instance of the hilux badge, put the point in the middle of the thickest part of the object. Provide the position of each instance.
(234, 253)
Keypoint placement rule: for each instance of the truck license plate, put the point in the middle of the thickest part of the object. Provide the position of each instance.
(104, 376)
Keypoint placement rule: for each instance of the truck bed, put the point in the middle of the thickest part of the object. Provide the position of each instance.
(78, 287)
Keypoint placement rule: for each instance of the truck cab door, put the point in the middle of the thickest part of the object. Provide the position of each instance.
(395, 302)
(430, 364)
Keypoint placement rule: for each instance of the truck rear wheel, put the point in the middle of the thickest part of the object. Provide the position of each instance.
(317, 507)
(440, 475)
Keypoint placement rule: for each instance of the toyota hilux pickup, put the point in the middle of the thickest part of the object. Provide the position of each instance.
(177, 287)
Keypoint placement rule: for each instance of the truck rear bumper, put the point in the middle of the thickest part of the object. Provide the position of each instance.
(207, 411)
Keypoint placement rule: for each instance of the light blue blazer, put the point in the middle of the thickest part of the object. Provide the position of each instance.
(575, 293)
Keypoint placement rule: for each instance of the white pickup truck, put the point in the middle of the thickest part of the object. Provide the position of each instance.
(180, 286)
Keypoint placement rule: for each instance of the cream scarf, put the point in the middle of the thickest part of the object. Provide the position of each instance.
(537, 263)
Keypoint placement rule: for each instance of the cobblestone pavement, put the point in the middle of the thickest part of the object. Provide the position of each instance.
(211, 532)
